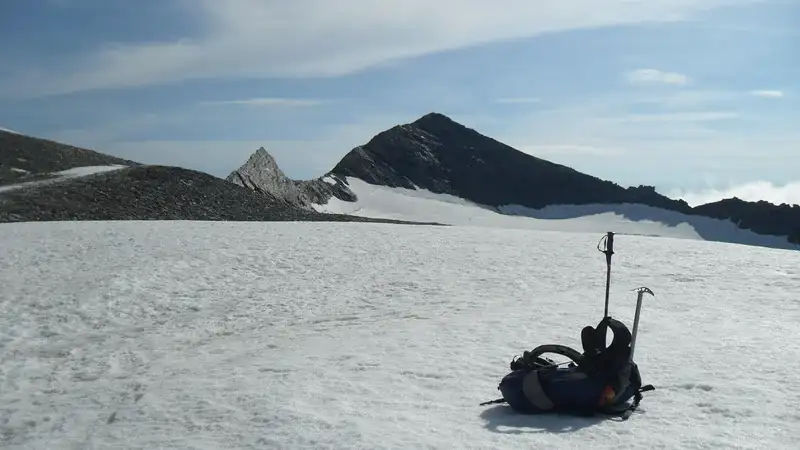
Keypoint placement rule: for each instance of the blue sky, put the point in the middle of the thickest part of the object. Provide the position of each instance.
(698, 98)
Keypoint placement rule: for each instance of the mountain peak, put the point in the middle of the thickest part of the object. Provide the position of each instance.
(263, 161)
(261, 173)
(434, 117)
(443, 156)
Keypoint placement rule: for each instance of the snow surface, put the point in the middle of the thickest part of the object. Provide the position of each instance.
(64, 175)
(8, 131)
(208, 335)
(422, 205)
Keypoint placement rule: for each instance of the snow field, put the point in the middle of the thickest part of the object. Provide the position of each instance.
(342, 335)
(421, 205)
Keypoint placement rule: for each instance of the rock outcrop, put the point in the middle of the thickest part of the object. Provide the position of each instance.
(262, 174)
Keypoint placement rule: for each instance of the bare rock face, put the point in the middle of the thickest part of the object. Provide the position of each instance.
(262, 174)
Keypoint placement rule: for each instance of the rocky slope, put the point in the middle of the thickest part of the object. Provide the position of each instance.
(443, 156)
(25, 158)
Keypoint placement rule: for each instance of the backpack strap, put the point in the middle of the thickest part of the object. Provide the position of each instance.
(533, 359)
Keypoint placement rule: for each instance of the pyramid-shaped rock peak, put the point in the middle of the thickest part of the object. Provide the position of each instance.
(261, 173)
(263, 163)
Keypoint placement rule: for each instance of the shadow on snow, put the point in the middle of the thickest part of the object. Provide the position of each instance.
(503, 419)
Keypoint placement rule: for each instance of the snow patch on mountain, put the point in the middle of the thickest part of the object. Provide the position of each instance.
(61, 176)
(423, 205)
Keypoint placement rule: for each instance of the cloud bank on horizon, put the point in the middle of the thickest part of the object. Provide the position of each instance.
(687, 95)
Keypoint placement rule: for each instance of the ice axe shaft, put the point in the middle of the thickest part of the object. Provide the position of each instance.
(641, 291)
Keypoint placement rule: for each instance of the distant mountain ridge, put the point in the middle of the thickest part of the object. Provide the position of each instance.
(433, 153)
(443, 156)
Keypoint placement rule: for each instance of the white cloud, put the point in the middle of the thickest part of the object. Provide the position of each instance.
(302, 38)
(753, 191)
(269, 101)
(692, 116)
(767, 93)
(654, 76)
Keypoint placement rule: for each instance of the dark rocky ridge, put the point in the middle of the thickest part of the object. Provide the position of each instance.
(35, 158)
(152, 193)
(443, 156)
(762, 217)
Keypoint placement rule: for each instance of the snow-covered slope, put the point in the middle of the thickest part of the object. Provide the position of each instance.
(423, 205)
(208, 335)
(63, 175)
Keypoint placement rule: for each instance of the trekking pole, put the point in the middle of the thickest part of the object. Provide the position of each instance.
(609, 250)
(641, 292)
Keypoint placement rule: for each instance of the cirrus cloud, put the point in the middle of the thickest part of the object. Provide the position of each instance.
(767, 93)
(654, 76)
(301, 38)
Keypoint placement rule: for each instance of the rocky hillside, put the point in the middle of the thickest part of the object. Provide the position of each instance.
(25, 158)
(262, 174)
(148, 193)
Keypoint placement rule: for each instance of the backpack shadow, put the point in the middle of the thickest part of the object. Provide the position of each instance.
(503, 419)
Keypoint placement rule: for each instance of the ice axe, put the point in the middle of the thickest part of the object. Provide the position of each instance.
(641, 291)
